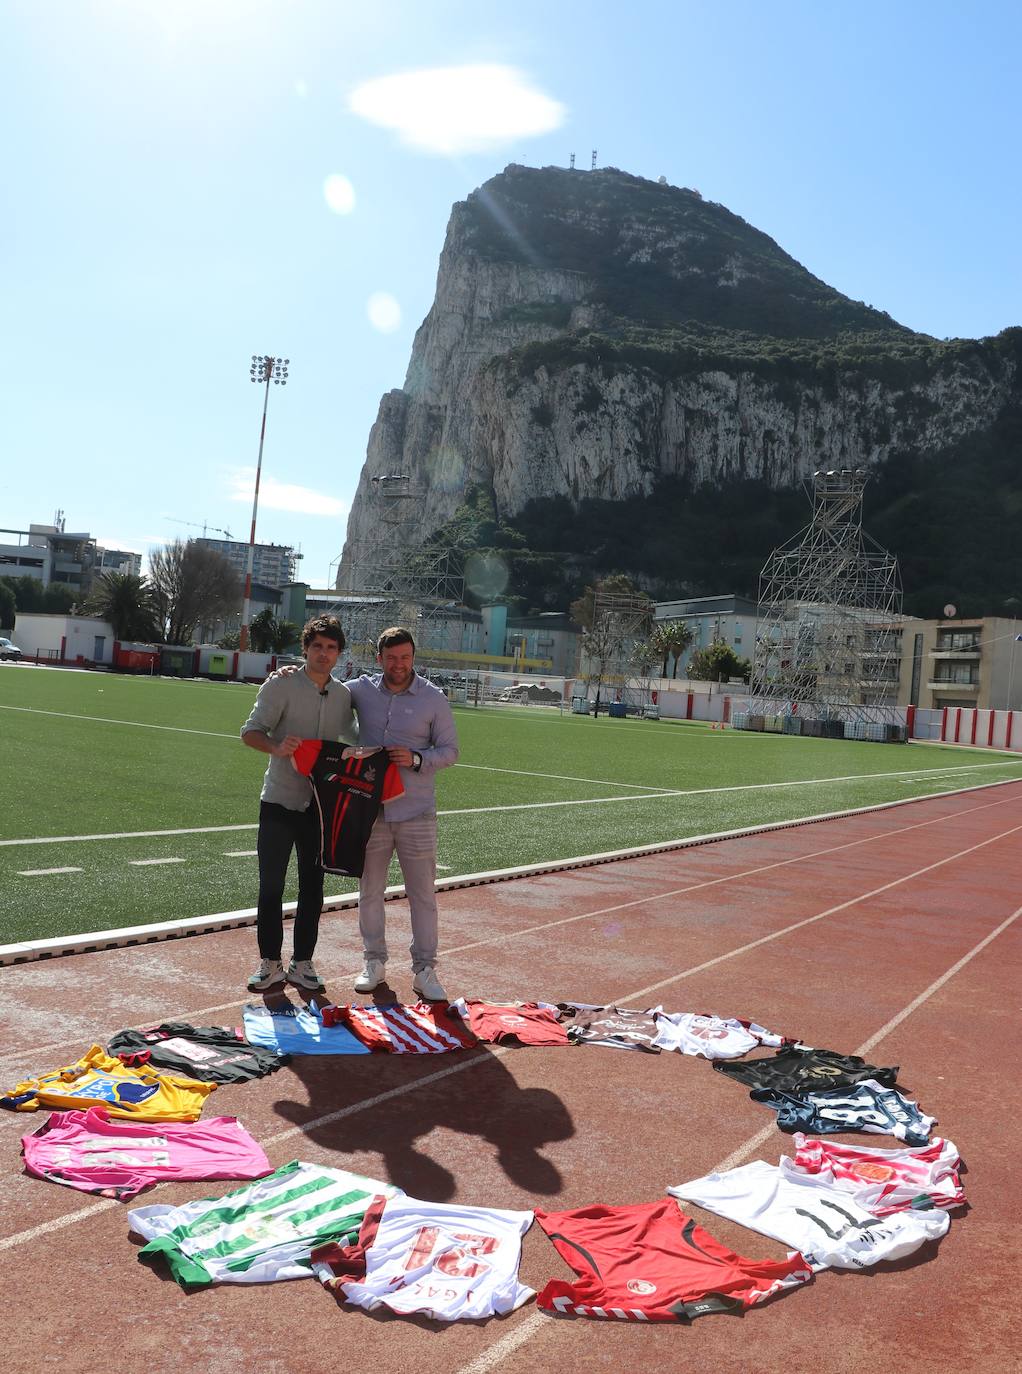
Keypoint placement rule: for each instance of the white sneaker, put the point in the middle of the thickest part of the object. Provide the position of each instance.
(428, 985)
(301, 973)
(374, 972)
(269, 974)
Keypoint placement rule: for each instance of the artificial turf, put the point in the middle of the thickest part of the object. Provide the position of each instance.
(87, 754)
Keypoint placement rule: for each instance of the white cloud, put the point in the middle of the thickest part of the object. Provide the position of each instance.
(339, 194)
(452, 110)
(384, 312)
(274, 495)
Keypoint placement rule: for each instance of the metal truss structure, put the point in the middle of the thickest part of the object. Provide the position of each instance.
(828, 637)
(396, 579)
(612, 651)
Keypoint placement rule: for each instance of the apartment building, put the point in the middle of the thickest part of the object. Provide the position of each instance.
(967, 661)
(274, 564)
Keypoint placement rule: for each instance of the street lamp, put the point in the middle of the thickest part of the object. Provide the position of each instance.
(263, 369)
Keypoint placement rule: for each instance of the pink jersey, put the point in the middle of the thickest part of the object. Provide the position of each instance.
(886, 1181)
(116, 1158)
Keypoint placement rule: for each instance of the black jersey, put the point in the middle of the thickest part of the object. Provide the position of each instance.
(800, 1069)
(215, 1054)
(619, 1028)
(349, 785)
(866, 1106)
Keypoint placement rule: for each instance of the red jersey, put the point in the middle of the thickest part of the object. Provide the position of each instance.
(651, 1263)
(528, 1023)
(424, 1028)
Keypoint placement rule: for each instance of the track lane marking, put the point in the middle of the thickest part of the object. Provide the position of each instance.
(753, 1142)
(16, 1055)
(495, 1355)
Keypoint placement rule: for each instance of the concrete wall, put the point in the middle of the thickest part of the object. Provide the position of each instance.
(71, 638)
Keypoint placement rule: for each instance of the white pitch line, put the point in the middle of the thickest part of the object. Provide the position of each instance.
(109, 720)
(45, 872)
(240, 853)
(134, 834)
(561, 777)
(481, 1364)
(591, 914)
(146, 863)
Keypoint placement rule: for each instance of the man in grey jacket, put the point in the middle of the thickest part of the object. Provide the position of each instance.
(308, 704)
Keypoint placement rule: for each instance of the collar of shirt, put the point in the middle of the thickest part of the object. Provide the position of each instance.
(414, 686)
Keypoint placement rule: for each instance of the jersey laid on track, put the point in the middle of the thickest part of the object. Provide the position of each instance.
(864, 1106)
(800, 1069)
(524, 1023)
(349, 785)
(261, 1233)
(826, 1225)
(651, 1263)
(420, 1028)
(97, 1080)
(713, 1037)
(297, 1030)
(214, 1053)
(118, 1159)
(437, 1260)
(618, 1028)
(886, 1181)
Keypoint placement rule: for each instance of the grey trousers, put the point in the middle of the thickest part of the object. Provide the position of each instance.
(415, 843)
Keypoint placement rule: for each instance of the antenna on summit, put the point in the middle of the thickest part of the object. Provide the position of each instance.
(571, 164)
(592, 166)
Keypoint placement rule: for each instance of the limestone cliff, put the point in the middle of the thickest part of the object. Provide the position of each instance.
(593, 334)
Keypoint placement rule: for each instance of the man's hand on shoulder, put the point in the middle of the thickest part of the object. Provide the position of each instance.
(285, 671)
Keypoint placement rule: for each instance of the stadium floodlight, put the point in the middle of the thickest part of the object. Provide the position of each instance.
(265, 369)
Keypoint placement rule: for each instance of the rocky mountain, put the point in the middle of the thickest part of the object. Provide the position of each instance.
(622, 353)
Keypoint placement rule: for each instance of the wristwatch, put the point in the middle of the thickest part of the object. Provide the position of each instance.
(416, 760)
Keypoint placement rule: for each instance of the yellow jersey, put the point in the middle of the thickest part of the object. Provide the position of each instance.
(97, 1080)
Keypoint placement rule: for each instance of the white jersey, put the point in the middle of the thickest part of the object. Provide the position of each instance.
(260, 1233)
(714, 1037)
(441, 1261)
(827, 1225)
(885, 1181)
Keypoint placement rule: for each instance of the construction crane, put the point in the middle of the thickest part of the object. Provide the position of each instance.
(204, 526)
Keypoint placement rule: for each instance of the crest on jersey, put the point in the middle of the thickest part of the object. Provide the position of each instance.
(641, 1287)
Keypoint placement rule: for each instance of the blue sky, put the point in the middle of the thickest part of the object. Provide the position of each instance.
(189, 182)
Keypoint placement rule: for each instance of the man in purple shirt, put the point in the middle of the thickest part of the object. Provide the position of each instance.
(411, 719)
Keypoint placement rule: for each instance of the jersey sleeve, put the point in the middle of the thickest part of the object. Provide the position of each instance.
(393, 787)
(305, 756)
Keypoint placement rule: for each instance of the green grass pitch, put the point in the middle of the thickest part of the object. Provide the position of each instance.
(90, 754)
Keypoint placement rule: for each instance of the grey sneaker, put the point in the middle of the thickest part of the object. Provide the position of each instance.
(374, 972)
(301, 973)
(269, 974)
(428, 985)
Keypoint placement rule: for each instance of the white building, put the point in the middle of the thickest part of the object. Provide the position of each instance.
(273, 566)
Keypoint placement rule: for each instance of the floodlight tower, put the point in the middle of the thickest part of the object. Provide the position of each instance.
(263, 369)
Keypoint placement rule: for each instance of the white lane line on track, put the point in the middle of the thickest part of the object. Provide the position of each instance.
(911, 775)
(45, 872)
(585, 915)
(495, 1355)
(743, 1150)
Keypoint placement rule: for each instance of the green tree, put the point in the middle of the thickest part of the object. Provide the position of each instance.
(31, 595)
(671, 638)
(126, 602)
(718, 663)
(8, 606)
(193, 585)
(268, 635)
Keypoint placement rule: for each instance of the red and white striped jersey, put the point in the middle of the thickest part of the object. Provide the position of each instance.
(422, 1028)
(651, 1263)
(886, 1181)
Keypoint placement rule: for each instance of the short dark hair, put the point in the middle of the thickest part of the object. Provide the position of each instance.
(390, 639)
(326, 625)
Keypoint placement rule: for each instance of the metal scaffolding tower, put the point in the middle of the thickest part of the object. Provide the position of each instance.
(396, 579)
(622, 622)
(830, 609)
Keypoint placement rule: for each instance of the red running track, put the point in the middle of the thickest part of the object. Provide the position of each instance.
(894, 933)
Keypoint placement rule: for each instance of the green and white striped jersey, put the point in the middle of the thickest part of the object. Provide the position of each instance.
(262, 1232)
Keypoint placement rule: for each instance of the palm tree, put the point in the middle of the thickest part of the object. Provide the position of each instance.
(671, 638)
(127, 603)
